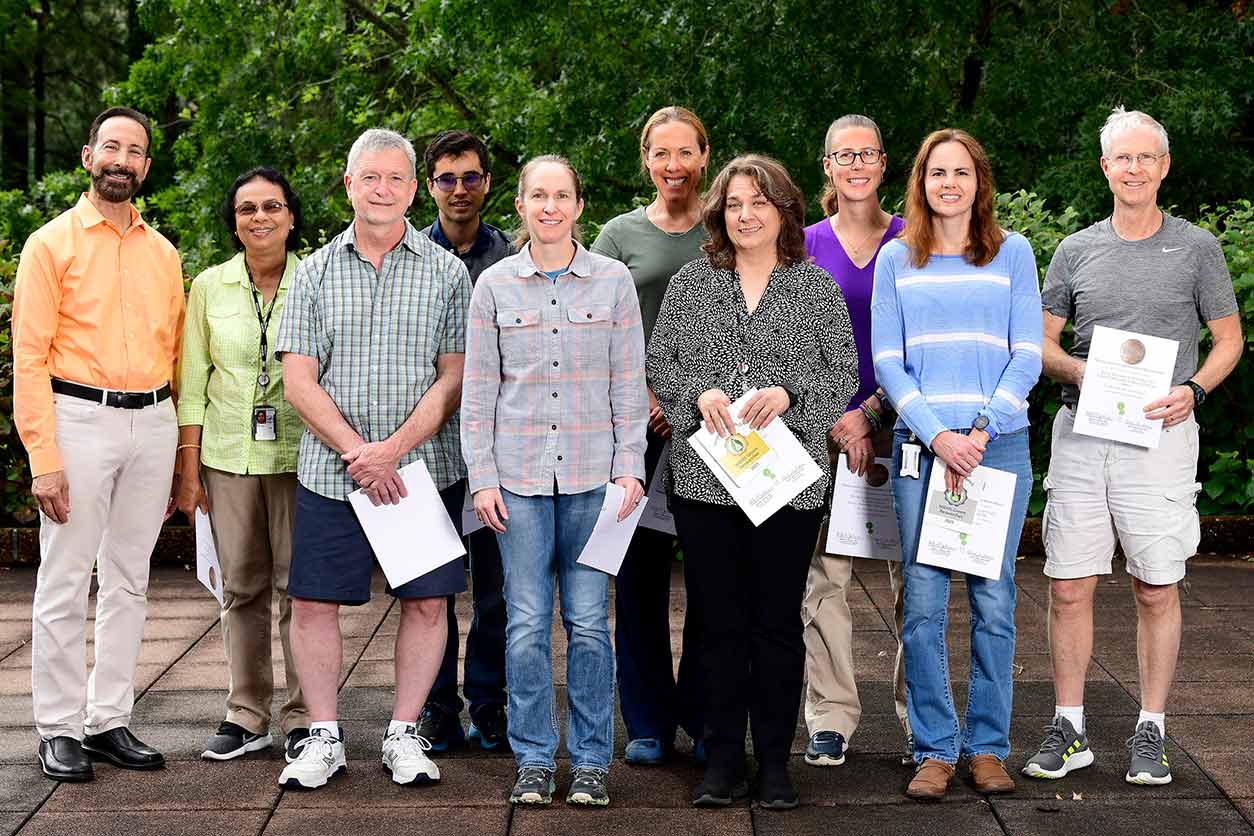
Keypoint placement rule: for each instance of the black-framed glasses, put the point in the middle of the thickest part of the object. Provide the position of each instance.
(472, 180)
(844, 156)
(270, 207)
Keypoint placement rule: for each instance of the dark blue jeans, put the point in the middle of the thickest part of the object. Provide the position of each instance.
(485, 645)
(653, 702)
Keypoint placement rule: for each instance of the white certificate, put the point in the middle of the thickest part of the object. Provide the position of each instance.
(416, 535)
(470, 522)
(863, 523)
(208, 567)
(657, 516)
(607, 545)
(1124, 372)
(967, 533)
(762, 469)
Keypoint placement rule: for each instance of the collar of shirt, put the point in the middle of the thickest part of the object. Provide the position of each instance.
(483, 238)
(235, 271)
(580, 266)
(89, 215)
(412, 240)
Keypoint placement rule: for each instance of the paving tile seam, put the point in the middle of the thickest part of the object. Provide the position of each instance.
(889, 623)
(366, 645)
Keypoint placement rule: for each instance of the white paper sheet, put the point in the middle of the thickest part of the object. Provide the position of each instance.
(764, 480)
(657, 516)
(967, 533)
(208, 567)
(863, 522)
(416, 535)
(607, 546)
(470, 523)
(1123, 373)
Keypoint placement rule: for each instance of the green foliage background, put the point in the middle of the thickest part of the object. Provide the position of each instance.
(240, 83)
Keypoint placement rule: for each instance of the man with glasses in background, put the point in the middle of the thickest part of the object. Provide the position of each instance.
(1145, 271)
(458, 179)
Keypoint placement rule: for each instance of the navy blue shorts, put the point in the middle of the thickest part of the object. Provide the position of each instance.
(332, 559)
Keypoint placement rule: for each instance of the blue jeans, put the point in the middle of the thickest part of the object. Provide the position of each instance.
(929, 699)
(543, 538)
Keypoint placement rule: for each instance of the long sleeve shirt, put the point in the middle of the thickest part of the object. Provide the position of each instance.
(953, 341)
(218, 373)
(705, 338)
(93, 306)
(553, 396)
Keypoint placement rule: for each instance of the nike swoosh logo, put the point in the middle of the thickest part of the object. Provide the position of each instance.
(1172, 249)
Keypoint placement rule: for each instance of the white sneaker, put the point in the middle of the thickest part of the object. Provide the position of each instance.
(405, 756)
(320, 758)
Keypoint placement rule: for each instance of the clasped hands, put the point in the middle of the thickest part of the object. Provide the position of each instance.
(373, 465)
(759, 411)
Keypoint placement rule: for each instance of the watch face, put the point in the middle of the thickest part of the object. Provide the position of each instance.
(981, 422)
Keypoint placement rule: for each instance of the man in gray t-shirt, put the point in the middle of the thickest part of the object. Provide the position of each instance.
(1144, 271)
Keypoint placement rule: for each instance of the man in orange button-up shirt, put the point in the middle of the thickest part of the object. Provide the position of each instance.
(97, 319)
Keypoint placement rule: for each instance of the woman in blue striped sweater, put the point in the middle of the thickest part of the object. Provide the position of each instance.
(956, 333)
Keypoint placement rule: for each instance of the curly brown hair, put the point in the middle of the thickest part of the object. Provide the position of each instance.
(984, 237)
(776, 186)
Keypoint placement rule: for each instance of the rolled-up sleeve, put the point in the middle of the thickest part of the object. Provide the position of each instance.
(196, 364)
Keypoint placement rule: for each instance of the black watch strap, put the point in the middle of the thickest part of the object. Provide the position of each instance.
(793, 394)
(1199, 394)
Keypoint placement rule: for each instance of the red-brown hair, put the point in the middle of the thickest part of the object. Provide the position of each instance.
(984, 237)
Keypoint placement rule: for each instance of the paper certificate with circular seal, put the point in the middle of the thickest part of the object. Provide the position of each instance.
(966, 532)
(1124, 371)
(863, 522)
(762, 469)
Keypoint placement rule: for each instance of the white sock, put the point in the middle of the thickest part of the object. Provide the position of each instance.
(1074, 714)
(333, 726)
(1159, 719)
(399, 726)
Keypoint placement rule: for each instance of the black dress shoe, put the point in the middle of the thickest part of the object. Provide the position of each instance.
(62, 759)
(720, 788)
(121, 748)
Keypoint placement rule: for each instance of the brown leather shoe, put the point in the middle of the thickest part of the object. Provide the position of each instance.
(930, 780)
(989, 776)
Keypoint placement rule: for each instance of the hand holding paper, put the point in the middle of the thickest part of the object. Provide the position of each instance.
(607, 545)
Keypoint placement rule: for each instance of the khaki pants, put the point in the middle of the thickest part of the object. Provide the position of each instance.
(832, 702)
(252, 520)
(118, 463)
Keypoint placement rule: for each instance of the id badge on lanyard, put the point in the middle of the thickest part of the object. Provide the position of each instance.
(264, 416)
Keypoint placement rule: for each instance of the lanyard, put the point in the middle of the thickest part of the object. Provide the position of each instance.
(263, 377)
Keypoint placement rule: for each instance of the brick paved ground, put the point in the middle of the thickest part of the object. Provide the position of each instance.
(181, 678)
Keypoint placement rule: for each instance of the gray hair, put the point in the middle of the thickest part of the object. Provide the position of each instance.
(1121, 121)
(851, 120)
(374, 140)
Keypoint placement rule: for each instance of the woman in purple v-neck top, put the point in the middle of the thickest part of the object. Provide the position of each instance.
(852, 234)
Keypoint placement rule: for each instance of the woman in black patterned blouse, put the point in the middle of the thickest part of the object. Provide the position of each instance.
(754, 313)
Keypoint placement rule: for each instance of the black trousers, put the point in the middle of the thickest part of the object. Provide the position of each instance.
(749, 583)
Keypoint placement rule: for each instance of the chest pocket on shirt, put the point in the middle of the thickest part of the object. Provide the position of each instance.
(224, 329)
(519, 334)
(590, 336)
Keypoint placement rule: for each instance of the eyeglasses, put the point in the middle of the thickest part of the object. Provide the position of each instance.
(472, 180)
(1143, 159)
(870, 156)
(270, 207)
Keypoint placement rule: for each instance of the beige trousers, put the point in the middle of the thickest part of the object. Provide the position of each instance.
(252, 520)
(118, 464)
(832, 702)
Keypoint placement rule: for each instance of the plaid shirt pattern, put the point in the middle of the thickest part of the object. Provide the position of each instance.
(376, 336)
(554, 395)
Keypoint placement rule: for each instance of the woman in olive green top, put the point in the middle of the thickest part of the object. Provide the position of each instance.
(238, 439)
(654, 241)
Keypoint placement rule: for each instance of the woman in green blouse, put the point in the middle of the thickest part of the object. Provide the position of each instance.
(238, 440)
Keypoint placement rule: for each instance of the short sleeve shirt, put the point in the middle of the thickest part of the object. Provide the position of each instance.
(376, 336)
(1163, 286)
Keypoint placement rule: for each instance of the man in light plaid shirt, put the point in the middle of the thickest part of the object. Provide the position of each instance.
(372, 343)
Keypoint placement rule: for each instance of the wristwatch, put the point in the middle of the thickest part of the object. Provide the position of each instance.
(981, 423)
(1199, 394)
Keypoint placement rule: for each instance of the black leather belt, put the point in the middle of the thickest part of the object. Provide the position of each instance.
(120, 400)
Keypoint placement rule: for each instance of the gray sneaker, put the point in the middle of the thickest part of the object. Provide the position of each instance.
(588, 787)
(1063, 750)
(534, 786)
(1148, 749)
